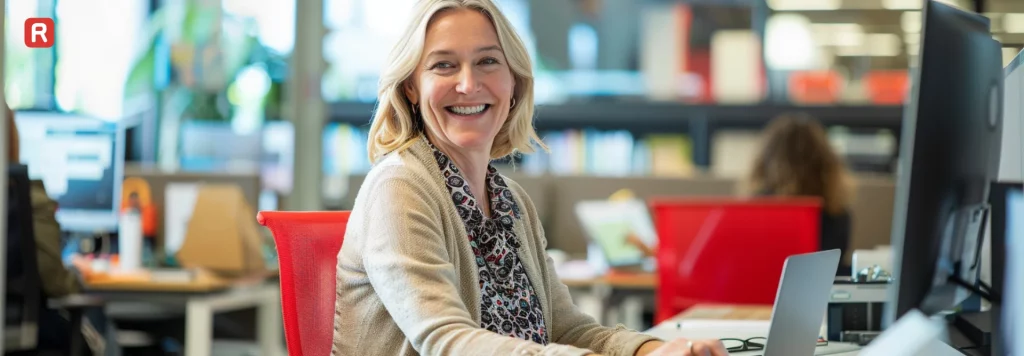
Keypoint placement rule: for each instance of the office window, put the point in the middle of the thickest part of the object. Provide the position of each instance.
(362, 32)
(274, 21)
(580, 49)
(23, 67)
(95, 50)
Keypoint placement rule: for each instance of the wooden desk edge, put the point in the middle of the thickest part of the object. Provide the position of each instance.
(623, 280)
(200, 285)
(727, 312)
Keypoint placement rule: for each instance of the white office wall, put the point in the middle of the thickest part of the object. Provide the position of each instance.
(1011, 161)
(1011, 166)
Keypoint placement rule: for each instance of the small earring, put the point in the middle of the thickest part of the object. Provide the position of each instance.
(513, 102)
(413, 108)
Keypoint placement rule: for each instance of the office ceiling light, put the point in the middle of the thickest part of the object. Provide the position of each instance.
(956, 3)
(849, 38)
(789, 44)
(902, 4)
(1013, 23)
(883, 45)
(826, 59)
(913, 49)
(1008, 56)
(875, 45)
(851, 51)
(838, 34)
(912, 39)
(910, 21)
(804, 5)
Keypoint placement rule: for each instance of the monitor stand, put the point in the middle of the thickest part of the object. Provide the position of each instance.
(959, 264)
(976, 331)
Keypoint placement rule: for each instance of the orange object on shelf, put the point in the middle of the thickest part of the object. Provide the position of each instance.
(135, 194)
(887, 87)
(815, 87)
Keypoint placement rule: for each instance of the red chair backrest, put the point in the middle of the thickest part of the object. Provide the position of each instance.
(307, 253)
(728, 251)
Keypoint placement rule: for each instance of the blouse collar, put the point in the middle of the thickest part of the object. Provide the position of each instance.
(503, 206)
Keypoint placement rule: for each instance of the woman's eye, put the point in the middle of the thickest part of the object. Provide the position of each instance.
(442, 65)
(489, 60)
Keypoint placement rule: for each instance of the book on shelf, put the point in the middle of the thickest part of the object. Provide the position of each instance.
(611, 153)
(671, 155)
(622, 153)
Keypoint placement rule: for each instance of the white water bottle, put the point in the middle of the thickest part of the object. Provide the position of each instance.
(129, 241)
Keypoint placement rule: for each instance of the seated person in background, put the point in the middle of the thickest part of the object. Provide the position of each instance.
(57, 281)
(796, 159)
(443, 255)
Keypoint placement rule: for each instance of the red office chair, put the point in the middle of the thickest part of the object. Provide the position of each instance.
(728, 251)
(307, 252)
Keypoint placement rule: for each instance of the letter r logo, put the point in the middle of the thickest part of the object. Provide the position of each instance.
(39, 32)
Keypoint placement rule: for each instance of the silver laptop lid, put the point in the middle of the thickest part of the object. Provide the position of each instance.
(801, 302)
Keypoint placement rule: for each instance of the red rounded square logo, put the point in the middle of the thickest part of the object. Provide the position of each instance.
(39, 32)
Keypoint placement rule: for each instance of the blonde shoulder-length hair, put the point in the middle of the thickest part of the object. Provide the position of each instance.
(394, 126)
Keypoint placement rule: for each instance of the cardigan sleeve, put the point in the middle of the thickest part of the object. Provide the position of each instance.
(570, 325)
(409, 268)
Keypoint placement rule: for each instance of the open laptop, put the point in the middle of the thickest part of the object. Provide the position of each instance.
(797, 317)
(800, 303)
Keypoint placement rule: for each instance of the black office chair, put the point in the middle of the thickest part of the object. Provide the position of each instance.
(24, 295)
(24, 292)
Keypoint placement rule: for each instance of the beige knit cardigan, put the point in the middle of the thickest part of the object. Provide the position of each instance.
(407, 279)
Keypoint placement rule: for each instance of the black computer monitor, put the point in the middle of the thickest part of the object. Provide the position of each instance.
(949, 154)
(24, 294)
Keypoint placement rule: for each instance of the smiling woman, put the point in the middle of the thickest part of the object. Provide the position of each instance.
(443, 255)
(500, 55)
(463, 89)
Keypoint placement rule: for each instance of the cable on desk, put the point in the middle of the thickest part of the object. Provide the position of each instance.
(974, 289)
(985, 286)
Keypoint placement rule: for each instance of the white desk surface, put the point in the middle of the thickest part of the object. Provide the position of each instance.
(738, 329)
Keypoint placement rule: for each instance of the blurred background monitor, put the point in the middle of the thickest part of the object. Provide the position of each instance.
(140, 135)
(949, 156)
(80, 160)
(218, 146)
(212, 146)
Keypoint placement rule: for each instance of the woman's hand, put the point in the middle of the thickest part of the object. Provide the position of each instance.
(83, 265)
(635, 241)
(683, 347)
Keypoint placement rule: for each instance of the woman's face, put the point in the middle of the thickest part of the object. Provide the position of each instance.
(463, 85)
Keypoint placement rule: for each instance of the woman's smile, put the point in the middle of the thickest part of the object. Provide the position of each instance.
(467, 112)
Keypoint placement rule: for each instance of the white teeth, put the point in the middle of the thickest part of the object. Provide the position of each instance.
(467, 110)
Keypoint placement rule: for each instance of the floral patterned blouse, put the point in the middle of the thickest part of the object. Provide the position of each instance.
(510, 306)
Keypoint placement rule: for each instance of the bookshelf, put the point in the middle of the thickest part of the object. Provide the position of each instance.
(656, 116)
(699, 123)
